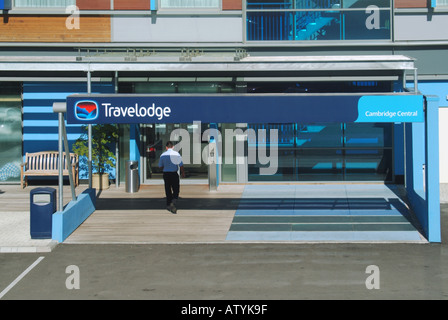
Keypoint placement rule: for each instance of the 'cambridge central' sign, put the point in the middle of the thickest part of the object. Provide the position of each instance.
(243, 108)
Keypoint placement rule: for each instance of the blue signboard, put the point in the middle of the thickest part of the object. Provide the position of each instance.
(243, 108)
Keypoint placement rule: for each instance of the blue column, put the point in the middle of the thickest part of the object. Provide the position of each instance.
(415, 159)
(134, 150)
(432, 169)
(422, 170)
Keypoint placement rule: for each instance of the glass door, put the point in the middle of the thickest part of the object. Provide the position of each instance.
(154, 139)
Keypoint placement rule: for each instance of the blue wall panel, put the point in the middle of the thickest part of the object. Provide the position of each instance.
(40, 123)
(399, 149)
(435, 88)
(422, 170)
(5, 4)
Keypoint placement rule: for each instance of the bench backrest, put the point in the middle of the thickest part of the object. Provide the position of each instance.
(48, 160)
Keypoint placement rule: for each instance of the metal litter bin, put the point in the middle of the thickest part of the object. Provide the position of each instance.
(42, 207)
(132, 177)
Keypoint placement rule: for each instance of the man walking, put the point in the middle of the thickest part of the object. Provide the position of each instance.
(170, 161)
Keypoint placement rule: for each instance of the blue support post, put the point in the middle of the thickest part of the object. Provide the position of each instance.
(422, 170)
(432, 169)
(154, 5)
(134, 145)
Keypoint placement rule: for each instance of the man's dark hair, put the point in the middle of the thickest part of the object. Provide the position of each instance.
(169, 144)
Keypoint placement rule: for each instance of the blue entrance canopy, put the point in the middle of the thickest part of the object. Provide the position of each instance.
(244, 108)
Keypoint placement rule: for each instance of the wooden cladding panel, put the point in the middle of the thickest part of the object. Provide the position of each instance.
(411, 3)
(93, 4)
(232, 4)
(54, 29)
(132, 4)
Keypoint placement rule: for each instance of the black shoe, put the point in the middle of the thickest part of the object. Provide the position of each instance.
(172, 208)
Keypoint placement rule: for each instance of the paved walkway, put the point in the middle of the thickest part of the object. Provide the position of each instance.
(235, 213)
(15, 234)
(15, 220)
(202, 217)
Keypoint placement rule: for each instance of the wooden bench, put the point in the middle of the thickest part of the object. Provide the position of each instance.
(46, 163)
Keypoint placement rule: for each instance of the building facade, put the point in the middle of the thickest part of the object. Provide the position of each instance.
(174, 47)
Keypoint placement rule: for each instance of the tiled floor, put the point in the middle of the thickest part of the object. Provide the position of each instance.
(323, 212)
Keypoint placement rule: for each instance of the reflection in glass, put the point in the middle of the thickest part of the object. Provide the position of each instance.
(368, 164)
(338, 20)
(270, 26)
(170, 4)
(366, 25)
(328, 152)
(362, 4)
(269, 4)
(10, 139)
(368, 135)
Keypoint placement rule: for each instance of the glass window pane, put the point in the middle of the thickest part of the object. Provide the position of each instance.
(157, 135)
(366, 20)
(319, 135)
(317, 4)
(319, 165)
(368, 164)
(189, 4)
(161, 87)
(198, 87)
(44, 3)
(270, 26)
(228, 167)
(302, 25)
(227, 88)
(332, 152)
(318, 25)
(285, 134)
(286, 168)
(368, 135)
(269, 4)
(364, 4)
(10, 139)
(360, 25)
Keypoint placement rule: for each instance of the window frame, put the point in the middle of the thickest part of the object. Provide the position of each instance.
(437, 4)
(14, 6)
(189, 9)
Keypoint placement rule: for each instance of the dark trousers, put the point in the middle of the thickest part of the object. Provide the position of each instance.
(172, 187)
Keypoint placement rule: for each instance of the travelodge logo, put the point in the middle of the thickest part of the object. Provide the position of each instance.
(86, 110)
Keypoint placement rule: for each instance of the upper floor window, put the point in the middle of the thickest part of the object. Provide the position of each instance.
(197, 4)
(316, 4)
(44, 3)
(295, 20)
(442, 3)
